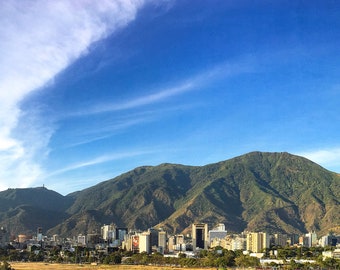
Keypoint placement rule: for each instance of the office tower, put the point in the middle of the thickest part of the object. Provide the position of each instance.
(108, 232)
(162, 241)
(200, 236)
(153, 237)
(120, 233)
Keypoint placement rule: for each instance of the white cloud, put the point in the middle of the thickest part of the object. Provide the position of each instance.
(158, 96)
(224, 70)
(98, 160)
(38, 40)
(328, 158)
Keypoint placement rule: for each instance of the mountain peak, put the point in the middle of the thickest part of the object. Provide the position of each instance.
(276, 192)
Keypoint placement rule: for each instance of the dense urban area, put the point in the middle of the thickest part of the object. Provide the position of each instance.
(203, 247)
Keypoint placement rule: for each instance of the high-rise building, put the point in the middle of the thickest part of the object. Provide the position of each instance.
(144, 242)
(120, 233)
(4, 237)
(199, 236)
(108, 232)
(162, 241)
(153, 237)
(171, 243)
(257, 241)
(39, 234)
(135, 243)
(311, 239)
(280, 239)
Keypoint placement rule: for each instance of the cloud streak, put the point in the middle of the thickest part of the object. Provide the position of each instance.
(38, 40)
(98, 160)
(223, 70)
(155, 97)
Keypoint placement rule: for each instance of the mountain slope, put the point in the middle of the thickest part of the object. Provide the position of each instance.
(23, 210)
(257, 191)
(276, 192)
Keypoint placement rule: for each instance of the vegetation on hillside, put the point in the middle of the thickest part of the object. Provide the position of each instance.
(274, 192)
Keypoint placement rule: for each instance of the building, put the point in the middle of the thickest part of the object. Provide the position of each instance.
(108, 232)
(135, 243)
(92, 239)
(81, 240)
(120, 234)
(113, 235)
(311, 239)
(153, 237)
(171, 244)
(335, 254)
(4, 237)
(239, 242)
(328, 240)
(22, 238)
(162, 247)
(257, 241)
(280, 239)
(199, 236)
(39, 234)
(179, 239)
(216, 235)
(144, 242)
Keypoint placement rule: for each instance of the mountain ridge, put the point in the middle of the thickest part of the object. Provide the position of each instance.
(256, 191)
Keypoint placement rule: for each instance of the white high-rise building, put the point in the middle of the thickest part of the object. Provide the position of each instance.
(108, 232)
(144, 242)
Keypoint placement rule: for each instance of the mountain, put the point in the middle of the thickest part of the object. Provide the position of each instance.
(23, 210)
(276, 192)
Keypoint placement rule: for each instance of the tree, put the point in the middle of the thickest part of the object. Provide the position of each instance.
(331, 263)
(5, 266)
(116, 258)
(247, 261)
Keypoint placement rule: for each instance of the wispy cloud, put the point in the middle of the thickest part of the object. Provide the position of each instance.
(157, 96)
(121, 123)
(38, 40)
(192, 83)
(328, 158)
(98, 160)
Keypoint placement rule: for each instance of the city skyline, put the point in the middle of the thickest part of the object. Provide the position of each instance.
(90, 90)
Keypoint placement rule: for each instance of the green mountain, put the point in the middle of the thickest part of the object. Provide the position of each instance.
(23, 210)
(276, 192)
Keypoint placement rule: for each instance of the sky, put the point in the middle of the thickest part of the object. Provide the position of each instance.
(92, 89)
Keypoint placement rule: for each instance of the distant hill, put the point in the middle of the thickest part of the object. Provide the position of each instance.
(275, 192)
(22, 210)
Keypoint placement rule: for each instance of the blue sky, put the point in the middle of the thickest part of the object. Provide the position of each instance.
(93, 89)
